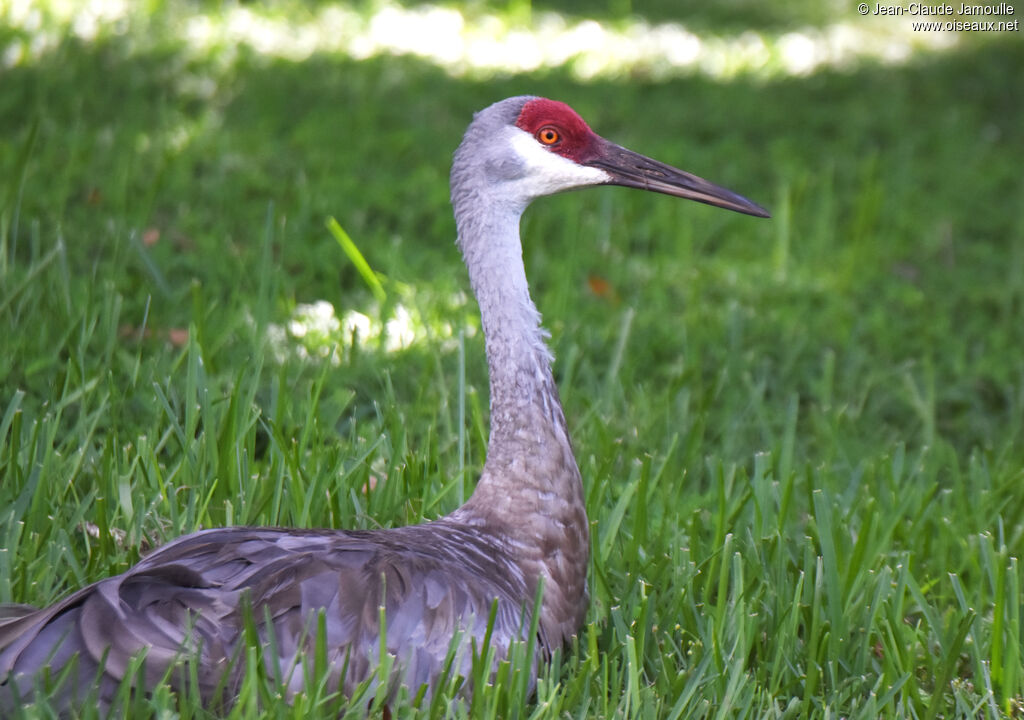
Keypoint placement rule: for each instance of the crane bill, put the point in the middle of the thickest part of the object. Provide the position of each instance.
(630, 169)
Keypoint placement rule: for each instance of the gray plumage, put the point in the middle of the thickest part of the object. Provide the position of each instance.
(525, 524)
(439, 577)
(187, 598)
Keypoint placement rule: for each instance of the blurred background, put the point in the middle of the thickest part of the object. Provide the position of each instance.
(165, 140)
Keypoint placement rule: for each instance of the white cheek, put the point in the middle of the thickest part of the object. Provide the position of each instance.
(548, 173)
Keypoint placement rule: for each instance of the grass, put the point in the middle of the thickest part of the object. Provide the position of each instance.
(802, 439)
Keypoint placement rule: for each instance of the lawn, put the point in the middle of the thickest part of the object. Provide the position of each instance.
(802, 439)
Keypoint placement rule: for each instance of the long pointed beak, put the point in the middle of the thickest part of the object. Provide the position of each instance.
(634, 170)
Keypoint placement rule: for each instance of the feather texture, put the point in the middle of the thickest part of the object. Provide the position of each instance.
(191, 598)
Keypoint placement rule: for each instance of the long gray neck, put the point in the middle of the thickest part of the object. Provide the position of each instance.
(530, 489)
(525, 408)
(517, 356)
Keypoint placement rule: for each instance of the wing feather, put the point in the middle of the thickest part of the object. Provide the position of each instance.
(190, 598)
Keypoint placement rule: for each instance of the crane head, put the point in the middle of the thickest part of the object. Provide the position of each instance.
(559, 151)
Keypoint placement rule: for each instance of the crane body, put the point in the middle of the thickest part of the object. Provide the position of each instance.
(524, 527)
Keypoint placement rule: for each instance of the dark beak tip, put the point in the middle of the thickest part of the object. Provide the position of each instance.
(631, 169)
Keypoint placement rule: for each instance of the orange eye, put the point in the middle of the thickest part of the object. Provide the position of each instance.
(548, 135)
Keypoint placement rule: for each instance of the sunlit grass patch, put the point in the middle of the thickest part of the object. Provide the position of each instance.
(478, 43)
(315, 330)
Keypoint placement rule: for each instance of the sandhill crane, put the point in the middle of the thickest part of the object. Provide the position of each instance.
(525, 525)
